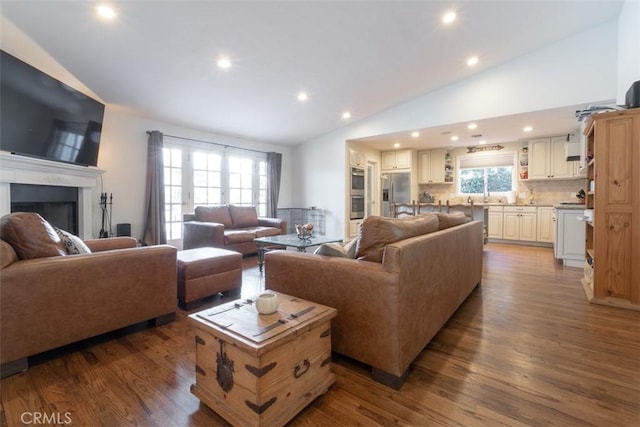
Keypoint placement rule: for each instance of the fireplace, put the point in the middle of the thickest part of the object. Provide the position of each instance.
(58, 205)
(63, 192)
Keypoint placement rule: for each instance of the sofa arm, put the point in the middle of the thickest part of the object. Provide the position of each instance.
(274, 222)
(199, 234)
(100, 245)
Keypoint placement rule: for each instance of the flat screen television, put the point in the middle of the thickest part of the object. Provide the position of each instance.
(43, 117)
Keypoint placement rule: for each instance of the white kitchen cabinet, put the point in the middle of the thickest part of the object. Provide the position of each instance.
(431, 167)
(546, 225)
(494, 219)
(356, 158)
(548, 160)
(570, 237)
(354, 227)
(519, 223)
(394, 160)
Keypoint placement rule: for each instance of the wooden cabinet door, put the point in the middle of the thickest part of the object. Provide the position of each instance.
(527, 226)
(539, 158)
(403, 159)
(424, 167)
(388, 160)
(436, 165)
(559, 167)
(511, 226)
(494, 224)
(546, 225)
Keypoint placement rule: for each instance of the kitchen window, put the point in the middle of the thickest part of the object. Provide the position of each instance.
(481, 175)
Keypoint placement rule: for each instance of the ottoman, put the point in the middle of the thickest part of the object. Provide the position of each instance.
(203, 272)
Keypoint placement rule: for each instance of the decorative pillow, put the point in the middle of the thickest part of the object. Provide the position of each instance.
(343, 250)
(446, 220)
(243, 216)
(218, 214)
(72, 243)
(377, 232)
(30, 235)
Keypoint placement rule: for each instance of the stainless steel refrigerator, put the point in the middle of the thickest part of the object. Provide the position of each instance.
(396, 188)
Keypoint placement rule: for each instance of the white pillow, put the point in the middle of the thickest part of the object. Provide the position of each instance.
(72, 243)
(343, 250)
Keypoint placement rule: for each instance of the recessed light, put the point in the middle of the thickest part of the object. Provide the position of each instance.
(396, 145)
(223, 63)
(482, 142)
(346, 115)
(472, 60)
(415, 134)
(472, 126)
(449, 17)
(302, 96)
(527, 129)
(454, 138)
(106, 12)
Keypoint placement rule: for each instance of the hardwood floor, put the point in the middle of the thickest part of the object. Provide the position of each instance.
(524, 349)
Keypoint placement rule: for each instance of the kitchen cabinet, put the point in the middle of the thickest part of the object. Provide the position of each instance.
(356, 159)
(519, 223)
(434, 167)
(546, 224)
(494, 222)
(570, 237)
(394, 160)
(354, 227)
(612, 236)
(547, 159)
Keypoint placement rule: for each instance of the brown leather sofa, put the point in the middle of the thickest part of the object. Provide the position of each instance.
(390, 306)
(53, 301)
(228, 227)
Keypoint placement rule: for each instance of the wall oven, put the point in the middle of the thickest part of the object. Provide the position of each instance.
(357, 207)
(357, 182)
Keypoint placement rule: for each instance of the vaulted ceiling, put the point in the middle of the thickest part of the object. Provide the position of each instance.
(159, 57)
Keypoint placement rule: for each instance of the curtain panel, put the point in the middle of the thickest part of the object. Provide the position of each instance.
(274, 173)
(154, 229)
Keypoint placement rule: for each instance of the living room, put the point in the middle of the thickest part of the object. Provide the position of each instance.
(314, 173)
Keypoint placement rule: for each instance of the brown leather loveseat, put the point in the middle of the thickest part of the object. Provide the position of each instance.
(49, 299)
(228, 227)
(411, 276)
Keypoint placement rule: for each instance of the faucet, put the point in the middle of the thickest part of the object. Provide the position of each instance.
(485, 199)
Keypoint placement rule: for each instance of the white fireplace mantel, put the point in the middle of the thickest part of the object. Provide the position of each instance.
(26, 170)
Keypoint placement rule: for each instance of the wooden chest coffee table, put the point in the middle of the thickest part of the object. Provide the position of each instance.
(262, 369)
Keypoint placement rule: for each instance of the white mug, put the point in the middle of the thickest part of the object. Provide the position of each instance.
(267, 303)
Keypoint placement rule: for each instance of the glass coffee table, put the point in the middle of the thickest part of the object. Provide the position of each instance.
(288, 240)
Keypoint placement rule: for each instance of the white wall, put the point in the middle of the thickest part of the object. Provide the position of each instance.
(628, 47)
(123, 147)
(565, 73)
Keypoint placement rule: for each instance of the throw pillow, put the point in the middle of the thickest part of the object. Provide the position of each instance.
(446, 220)
(72, 243)
(30, 235)
(377, 232)
(218, 214)
(343, 250)
(243, 216)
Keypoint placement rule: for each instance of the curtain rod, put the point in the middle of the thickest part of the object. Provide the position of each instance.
(210, 142)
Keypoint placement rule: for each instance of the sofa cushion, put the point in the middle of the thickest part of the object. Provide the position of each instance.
(267, 231)
(30, 235)
(232, 237)
(343, 250)
(446, 220)
(243, 216)
(219, 214)
(377, 232)
(73, 245)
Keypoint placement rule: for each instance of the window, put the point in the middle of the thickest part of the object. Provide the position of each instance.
(486, 174)
(198, 177)
(172, 158)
